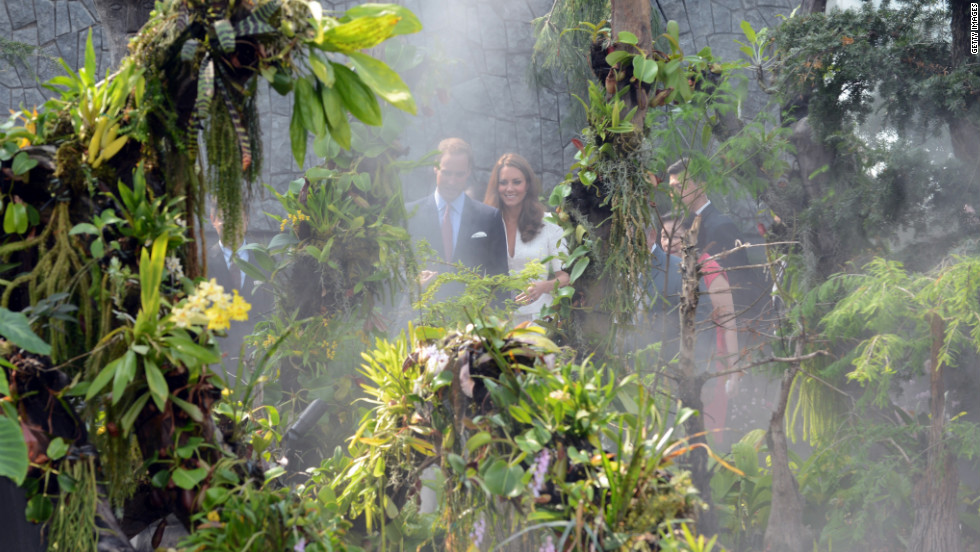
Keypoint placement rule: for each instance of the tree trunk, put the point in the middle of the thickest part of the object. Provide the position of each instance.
(785, 531)
(936, 525)
(964, 132)
(689, 383)
(633, 16)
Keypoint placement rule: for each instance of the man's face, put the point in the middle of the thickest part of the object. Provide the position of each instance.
(687, 190)
(451, 175)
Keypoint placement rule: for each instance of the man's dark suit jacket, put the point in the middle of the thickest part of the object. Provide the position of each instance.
(718, 233)
(261, 301)
(480, 244)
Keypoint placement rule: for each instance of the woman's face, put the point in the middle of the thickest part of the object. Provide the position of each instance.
(511, 186)
(671, 237)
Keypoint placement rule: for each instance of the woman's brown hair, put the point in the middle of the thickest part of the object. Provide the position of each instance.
(532, 211)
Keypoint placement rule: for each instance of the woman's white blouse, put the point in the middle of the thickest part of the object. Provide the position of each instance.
(548, 242)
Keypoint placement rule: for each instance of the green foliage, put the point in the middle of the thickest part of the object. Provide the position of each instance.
(483, 296)
(236, 516)
(885, 316)
(507, 415)
(13, 460)
(840, 60)
(72, 524)
(17, 330)
(342, 226)
(605, 199)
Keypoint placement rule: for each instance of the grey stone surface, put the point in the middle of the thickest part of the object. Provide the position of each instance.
(68, 49)
(721, 17)
(45, 21)
(62, 22)
(80, 17)
(21, 13)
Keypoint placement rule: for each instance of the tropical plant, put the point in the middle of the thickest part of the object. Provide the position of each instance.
(513, 423)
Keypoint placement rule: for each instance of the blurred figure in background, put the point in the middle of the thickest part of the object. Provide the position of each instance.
(718, 234)
(515, 190)
(223, 268)
(726, 347)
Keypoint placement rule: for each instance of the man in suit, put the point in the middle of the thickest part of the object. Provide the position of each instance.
(458, 228)
(718, 234)
(222, 267)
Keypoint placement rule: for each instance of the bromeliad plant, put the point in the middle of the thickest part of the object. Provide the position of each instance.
(533, 447)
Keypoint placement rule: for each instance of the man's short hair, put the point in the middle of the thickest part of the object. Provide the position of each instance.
(456, 146)
(679, 166)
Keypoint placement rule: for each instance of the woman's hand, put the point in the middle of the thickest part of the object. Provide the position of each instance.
(426, 277)
(535, 291)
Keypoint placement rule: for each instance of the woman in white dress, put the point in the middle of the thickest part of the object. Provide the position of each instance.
(515, 189)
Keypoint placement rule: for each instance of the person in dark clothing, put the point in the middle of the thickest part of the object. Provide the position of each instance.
(718, 234)
(458, 228)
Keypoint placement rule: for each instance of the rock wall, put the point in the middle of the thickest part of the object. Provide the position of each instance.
(486, 49)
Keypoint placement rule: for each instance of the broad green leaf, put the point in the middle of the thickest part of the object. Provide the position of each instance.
(188, 479)
(129, 417)
(15, 327)
(379, 467)
(151, 275)
(673, 30)
(645, 69)
(627, 37)
(322, 69)
(191, 409)
(359, 34)
(578, 269)
(337, 123)
(457, 463)
(408, 23)
(101, 380)
(587, 177)
(4, 385)
(297, 135)
(13, 450)
(157, 384)
(746, 458)
(376, 74)
(283, 240)
(39, 507)
(520, 414)
(23, 163)
(57, 448)
(502, 479)
(189, 347)
(187, 450)
(124, 374)
(357, 96)
(749, 31)
(90, 61)
(616, 57)
(310, 108)
(478, 441)
(83, 228)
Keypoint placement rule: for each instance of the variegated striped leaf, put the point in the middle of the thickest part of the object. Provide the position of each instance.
(189, 49)
(226, 35)
(236, 121)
